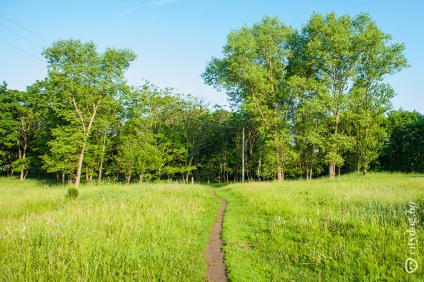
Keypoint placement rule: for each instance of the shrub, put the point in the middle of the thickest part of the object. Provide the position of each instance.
(72, 193)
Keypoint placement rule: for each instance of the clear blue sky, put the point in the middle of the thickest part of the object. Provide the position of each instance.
(174, 39)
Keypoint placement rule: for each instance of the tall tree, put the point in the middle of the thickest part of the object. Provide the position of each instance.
(79, 81)
(342, 54)
(253, 72)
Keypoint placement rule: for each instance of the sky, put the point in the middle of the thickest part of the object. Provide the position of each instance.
(175, 39)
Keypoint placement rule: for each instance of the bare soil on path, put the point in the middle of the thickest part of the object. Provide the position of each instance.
(214, 255)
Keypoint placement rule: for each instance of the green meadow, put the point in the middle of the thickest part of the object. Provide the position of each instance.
(109, 233)
(354, 228)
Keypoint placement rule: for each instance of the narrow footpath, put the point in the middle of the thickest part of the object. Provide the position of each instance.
(214, 255)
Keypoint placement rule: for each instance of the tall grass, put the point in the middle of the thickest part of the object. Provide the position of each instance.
(109, 233)
(351, 229)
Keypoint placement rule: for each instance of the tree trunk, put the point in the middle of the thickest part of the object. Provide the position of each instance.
(102, 158)
(22, 157)
(86, 132)
(63, 178)
(259, 167)
(332, 166)
(331, 170)
(280, 175)
(100, 171)
(81, 158)
(190, 161)
(69, 179)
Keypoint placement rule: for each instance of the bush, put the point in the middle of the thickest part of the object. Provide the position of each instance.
(72, 193)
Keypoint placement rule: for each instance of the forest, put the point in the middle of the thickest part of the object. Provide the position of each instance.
(304, 103)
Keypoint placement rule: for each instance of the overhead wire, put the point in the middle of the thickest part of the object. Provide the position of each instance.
(47, 41)
(11, 31)
(26, 29)
(23, 37)
(14, 46)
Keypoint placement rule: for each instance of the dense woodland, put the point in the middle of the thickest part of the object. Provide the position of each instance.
(304, 103)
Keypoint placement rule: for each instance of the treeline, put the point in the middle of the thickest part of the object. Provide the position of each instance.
(306, 103)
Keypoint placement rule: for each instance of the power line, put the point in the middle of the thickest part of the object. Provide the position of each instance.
(21, 36)
(26, 29)
(38, 58)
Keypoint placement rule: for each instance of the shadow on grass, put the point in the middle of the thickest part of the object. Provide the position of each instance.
(37, 181)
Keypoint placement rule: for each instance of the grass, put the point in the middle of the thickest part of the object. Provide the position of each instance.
(351, 229)
(108, 233)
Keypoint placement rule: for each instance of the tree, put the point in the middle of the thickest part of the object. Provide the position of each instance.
(19, 119)
(193, 125)
(404, 148)
(253, 72)
(104, 130)
(8, 125)
(79, 82)
(343, 54)
(62, 157)
(368, 106)
(28, 117)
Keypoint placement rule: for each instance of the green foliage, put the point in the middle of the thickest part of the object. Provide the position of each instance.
(405, 143)
(18, 124)
(253, 71)
(80, 82)
(344, 60)
(305, 99)
(350, 229)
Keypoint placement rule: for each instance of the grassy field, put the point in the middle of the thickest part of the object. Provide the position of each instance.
(354, 228)
(110, 233)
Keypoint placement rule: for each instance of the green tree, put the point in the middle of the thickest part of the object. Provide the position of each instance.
(8, 125)
(343, 54)
(367, 117)
(108, 121)
(63, 152)
(19, 120)
(79, 82)
(253, 73)
(404, 149)
(221, 154)
(152, 112)
(28, 117)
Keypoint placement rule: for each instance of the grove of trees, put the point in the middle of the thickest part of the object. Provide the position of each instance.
(306, 103)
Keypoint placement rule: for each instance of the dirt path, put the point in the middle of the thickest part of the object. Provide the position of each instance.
(214, 254)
